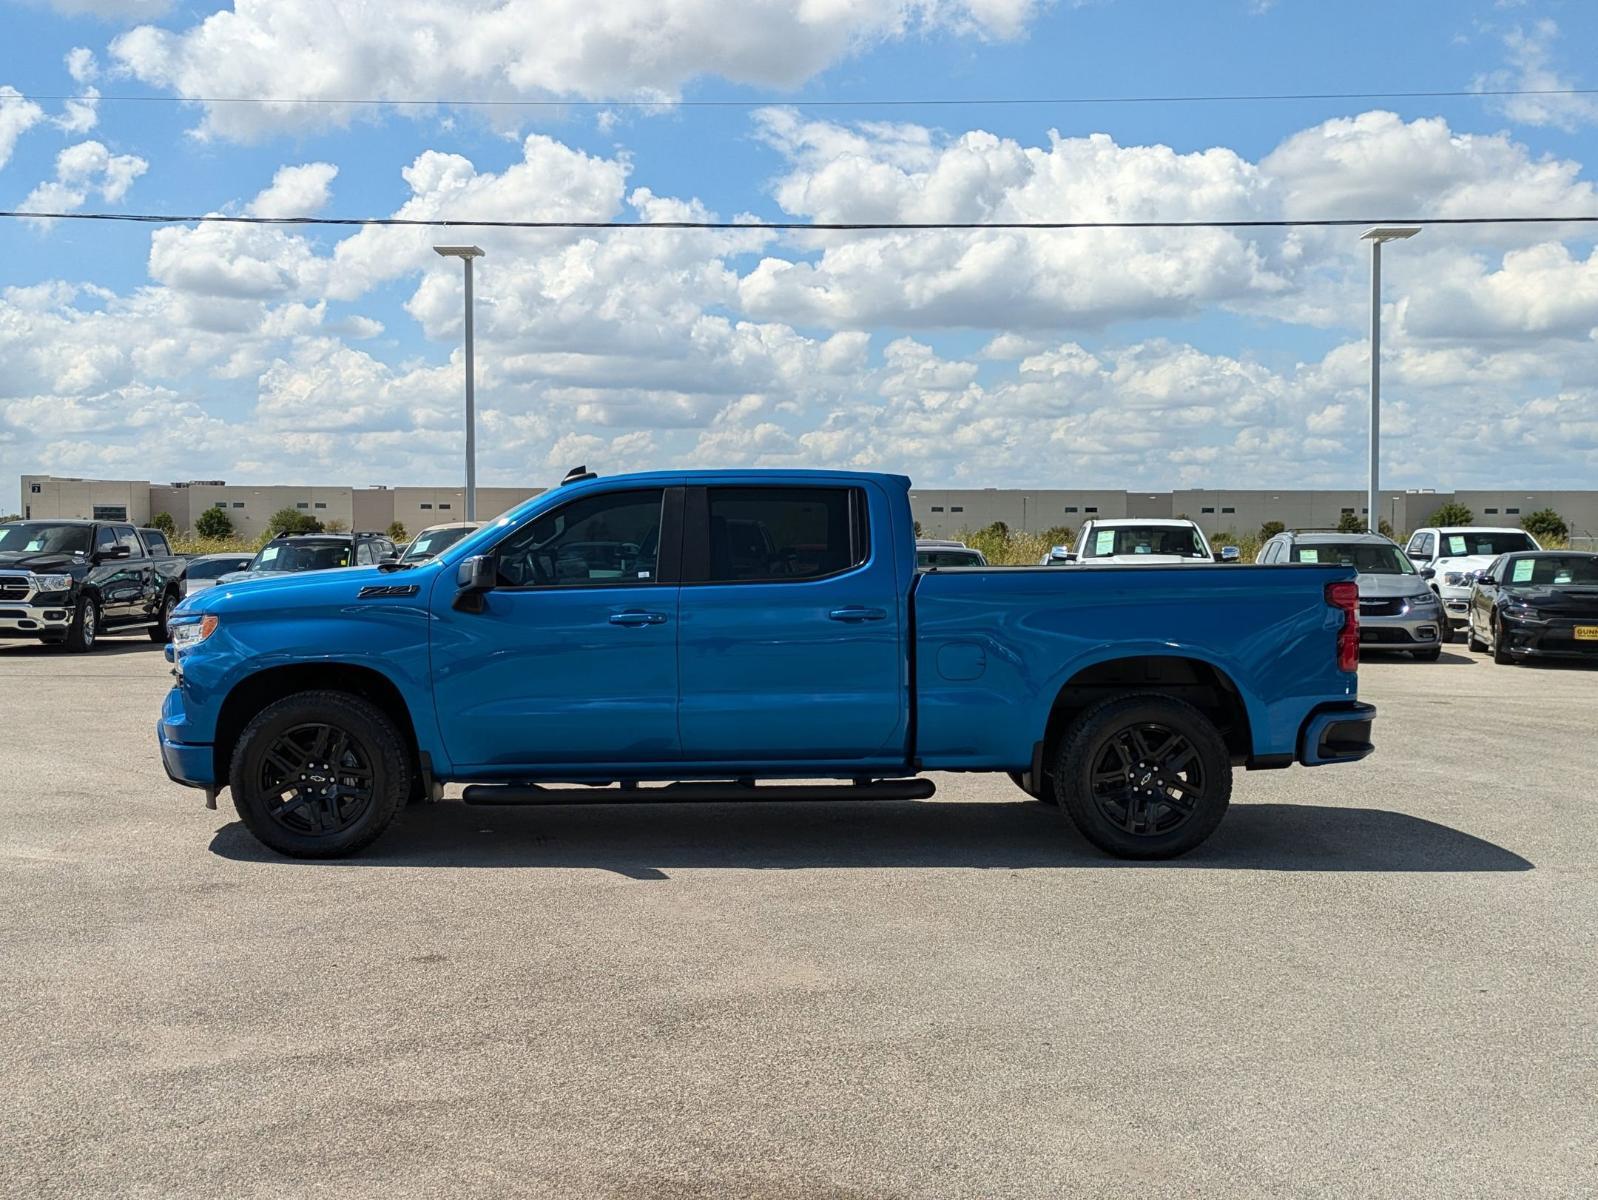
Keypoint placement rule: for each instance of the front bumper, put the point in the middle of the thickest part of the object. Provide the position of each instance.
(1553, 638)
(1456, 605)
(30, 619)
(1337, 734)
(193, 764)
(1412, 628)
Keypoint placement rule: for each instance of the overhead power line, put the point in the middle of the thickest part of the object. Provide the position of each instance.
(795, 102)
(793, 226)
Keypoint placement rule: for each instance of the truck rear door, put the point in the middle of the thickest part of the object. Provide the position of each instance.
(790, 645)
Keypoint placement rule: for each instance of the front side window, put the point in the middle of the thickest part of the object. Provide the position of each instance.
(784, 534)
(126, 537)
(613, 538)
(363, 554)
(1420, 546)
(105, 538)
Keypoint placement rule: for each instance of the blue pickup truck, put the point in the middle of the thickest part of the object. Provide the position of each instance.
(733, 632)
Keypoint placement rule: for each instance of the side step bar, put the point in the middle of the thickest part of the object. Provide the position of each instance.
(697, 793)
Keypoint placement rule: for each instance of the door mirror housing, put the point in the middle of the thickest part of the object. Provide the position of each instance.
(1428, 572)
(1231, 554)
(475, 577)
(117, 551)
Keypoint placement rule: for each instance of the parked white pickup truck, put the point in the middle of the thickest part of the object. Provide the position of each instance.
(1142, 542)
(1449, 557)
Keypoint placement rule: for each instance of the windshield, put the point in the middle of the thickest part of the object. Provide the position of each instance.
(35, 537)
(430, 541)
(950, 558)
(1368, 558)
(301, 556)
(1177, 540)
(212, 567)
(1561, 568)
(1474, 541)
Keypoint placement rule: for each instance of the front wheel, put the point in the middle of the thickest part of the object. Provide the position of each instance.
(319, 774)
(159, 632)
(1501, 643)
(84, 627)
(1472, 642)
(1143, 776)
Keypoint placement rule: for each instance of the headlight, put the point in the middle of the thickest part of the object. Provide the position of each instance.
(1457, 578)
(50, 583)
(1425, 599)
(1523, 612)
(191, 633)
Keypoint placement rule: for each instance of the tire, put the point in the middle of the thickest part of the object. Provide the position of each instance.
(1446, 633)
(303, 734)
(1430, 655)
(1501, 653)
(1044, 795)
(1473, 643)
(85, 627)
(159, 631)
(1106, 738)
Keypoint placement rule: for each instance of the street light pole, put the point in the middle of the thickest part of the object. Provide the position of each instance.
(466, 254)
(1376, 236)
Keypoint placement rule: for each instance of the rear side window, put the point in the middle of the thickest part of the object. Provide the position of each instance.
(767, 535)
(156, 541)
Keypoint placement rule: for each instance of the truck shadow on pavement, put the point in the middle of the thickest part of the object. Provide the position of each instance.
(646, 842)
(104, 648)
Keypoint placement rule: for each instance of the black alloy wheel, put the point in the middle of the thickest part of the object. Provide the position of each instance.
(1501, 652)
(317, 780)
(1143, 775)
(1148, 780)
(320, 774)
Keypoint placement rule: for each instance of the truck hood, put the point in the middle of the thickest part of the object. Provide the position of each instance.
(1464, 562)
(19, 561)
(1387, 587)
(276, 591)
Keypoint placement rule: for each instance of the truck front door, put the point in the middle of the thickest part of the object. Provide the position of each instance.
(573, 659)
(790, 646)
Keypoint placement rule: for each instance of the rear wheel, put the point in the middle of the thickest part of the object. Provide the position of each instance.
(1143, 776)
(85, 626)
(319, 774)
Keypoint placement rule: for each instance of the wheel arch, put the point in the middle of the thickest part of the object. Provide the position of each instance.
(1203, 684)
(254, 692)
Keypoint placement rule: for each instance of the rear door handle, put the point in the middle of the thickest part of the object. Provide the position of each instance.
(636, 617)
(855, 614)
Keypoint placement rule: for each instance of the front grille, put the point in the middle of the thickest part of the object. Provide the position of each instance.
(1380, 608)
(1384, 637)
(13, 587)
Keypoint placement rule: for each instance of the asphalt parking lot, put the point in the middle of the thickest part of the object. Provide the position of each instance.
(1374, 980)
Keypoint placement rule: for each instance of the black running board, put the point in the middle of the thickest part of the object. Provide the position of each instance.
(698, 793)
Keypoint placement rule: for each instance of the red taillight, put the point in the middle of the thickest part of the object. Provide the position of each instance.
(1345, 596)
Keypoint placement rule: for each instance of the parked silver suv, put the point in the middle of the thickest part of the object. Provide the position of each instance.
(1397, 611)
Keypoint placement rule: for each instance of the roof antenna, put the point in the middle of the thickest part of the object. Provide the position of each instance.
(577, 474)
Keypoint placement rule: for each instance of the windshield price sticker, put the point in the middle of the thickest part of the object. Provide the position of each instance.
(1313, 556)
(1104, 542)
(1456, 545)
(268, 554)
(1523, 570)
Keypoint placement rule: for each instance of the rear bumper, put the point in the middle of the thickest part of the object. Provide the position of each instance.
(1337, 734)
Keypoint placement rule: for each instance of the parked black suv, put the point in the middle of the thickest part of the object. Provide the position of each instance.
(66, 582)
(295, 552)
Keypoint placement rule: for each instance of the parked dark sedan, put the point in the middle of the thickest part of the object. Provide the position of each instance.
(1542, 605)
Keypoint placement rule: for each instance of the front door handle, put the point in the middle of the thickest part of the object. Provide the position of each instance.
(635, 617)
(855, 613)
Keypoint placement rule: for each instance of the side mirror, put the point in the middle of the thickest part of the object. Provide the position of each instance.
(1231, 554)
(117, 551)
(1485, 579)
(1428, 572)
(388, 558)
(475, 576)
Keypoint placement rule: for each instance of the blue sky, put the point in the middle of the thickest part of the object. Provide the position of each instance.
(1060, 360)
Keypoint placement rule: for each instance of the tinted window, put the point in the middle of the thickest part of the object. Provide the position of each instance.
(609, 539)
(950, 558)
(763, 534)
(302, 554)
(363, 554)
(1468, 542)
(44, 539)
(126, 537)
(1176, 540)
(105, 538)
(156, 541)
(1368, 558)
(216, 566)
